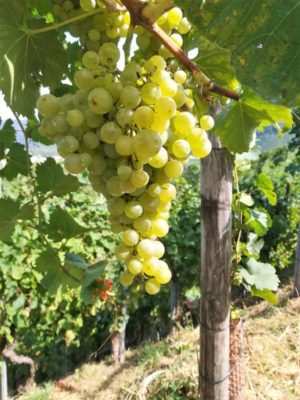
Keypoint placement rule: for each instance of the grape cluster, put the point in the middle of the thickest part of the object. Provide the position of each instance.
(133, 131)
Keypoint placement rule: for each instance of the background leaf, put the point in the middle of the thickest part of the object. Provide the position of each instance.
(50, 178)
(264, 38)
(262, 276)
(27, 60)
(63, 226)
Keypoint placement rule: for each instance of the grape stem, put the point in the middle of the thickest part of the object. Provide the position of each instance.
(136, 8)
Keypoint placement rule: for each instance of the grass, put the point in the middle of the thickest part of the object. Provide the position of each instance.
(167, 370)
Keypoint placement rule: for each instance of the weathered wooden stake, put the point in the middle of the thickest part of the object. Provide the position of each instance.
(216, 206)
(3, 380)
(297, 267)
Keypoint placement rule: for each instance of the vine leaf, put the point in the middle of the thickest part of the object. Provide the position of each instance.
(10, 213)
(237, 125)
(264, 38)
(261, 275)
(17, 162)
(265, 294)
(254, 245)
(50, 178)
(27, 59)
(265, 184)
(63, 226)
(93, 272)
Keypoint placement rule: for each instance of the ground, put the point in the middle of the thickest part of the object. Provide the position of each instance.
(167, 370)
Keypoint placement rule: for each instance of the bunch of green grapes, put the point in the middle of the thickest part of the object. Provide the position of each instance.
(93, 31)
(173, 23)
(133, 131)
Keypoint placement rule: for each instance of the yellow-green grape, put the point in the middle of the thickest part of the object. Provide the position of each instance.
(100, 101)
(126, 278)
(124, 117)
(159, 249)
(177, 39)
(90, 59)
(173, 169)
(181, 148)
(202, 150)
(152, 286)
(48, 105)
(146, 144)
(207, 122)
(158, 62)
(146, 248)
(84, 79)
(98, 165)
(150, 266)
(154, 190)
(110, 132)
(90, 140)
(109, 54)
(86, 159)
(165, 107)
(150, 93)
(124, 172)
(124, 145)
(163, 274)
(67, 145)
(123, 252)
(75, 118)
(133, 209)
(168, 192)
(160, 228)
(174, 17)
(114, 187)
(135, 266)
(94, 35)
(130, 97)
(196, 136)
(87, 5)
(184, 122)
(159, 76)
(130, 237)
(180, 76)
(184, 26)
(142, 225)
(116, 206)
(139, 178)
(143, 117)
(73, 163)
(160, 125)
(168, 87)
(160, 159)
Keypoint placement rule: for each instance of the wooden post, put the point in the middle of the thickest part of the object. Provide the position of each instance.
(296, 291)
(3, 380)
(216, 202)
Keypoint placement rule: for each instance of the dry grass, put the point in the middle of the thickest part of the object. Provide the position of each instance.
(168, 370)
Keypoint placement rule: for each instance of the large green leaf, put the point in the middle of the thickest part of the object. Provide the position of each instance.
(262, 276)
(93, 272)
(237, 125)
(27, 59)
(264, 38)
(10, 213)
(17, 162)
(50, 178)
(264, 183)
(49, 265)
(63, 226)
(265, 294)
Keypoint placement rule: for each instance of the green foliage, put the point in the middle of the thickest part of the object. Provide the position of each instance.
(263, 38)
(262, 276)
(237, 125)
(26, 61)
